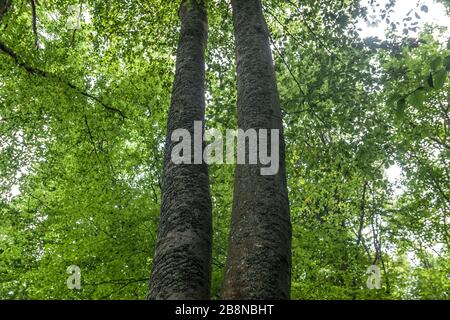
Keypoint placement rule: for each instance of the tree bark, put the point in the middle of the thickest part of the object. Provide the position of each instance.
(182, 263)
(259, 252)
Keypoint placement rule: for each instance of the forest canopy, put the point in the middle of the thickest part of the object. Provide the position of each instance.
(85, 89)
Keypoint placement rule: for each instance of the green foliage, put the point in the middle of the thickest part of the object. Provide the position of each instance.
(89, 179)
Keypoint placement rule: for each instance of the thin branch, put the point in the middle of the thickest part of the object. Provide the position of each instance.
(439, 142)
(432, 179)
(91, 138)
(284, 27)
(322, 44)
(38, 72)
(287, 66)
(123, 286)
(75, 30)
(34, 21)
(116, 281)
(362, 216)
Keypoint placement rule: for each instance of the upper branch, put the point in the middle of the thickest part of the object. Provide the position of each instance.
(35, 71)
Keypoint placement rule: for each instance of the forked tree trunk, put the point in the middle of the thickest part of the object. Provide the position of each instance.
(259, 252)
(182, 263)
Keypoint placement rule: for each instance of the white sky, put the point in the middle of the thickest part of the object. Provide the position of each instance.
(436, 15)
(376, 27)
(394, 175)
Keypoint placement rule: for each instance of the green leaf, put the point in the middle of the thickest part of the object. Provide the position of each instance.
(400, 110)
(417, 98)
(447, 63)
(401, 104)
(392, 100)
(436, 63)
(439, 78)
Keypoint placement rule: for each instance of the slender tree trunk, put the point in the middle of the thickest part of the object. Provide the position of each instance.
(259, 252)
(4, 7)
(182, 263)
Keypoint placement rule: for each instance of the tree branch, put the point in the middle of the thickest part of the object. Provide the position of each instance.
(38, 72)
(34, 21)
(287, 66)
(362, 214)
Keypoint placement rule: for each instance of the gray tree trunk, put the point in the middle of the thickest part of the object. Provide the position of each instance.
(182, 263)
(259, 252)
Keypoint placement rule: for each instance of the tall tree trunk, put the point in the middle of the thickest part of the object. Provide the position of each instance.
(259, 252)
(182, 263)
